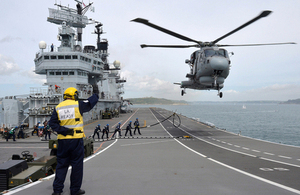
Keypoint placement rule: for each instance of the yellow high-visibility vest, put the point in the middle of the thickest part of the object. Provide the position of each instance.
(69, 116)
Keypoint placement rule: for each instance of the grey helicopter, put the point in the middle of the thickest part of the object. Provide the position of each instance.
(210, 65)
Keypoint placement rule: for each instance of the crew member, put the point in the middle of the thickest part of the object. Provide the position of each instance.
(105, 130)
(118, 129)
(137, 126)
(45, 123)
(128, 128)
(21, 131)
(36, 128)
(67, 121)
(11, 133)
(47, 131)
(96, 131)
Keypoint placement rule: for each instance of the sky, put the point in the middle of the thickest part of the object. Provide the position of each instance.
(257, 73)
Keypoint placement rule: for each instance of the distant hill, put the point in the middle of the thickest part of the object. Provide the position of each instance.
(152, 100)
(296, 101)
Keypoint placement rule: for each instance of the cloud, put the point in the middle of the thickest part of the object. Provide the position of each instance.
(7, 65)
(34, 78)
(9, 39)
(149, 85)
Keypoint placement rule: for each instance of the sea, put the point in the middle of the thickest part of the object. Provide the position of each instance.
(278, 123)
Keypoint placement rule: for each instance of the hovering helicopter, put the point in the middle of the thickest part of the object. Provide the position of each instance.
(210, 65)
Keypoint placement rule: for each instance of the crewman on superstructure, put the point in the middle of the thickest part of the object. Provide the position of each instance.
(67, 121)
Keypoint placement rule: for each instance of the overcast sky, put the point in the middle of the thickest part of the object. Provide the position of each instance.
(257, 73)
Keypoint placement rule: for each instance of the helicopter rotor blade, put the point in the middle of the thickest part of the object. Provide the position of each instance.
(169, 46)
(146, 22)
(256, 44)
(263, 14)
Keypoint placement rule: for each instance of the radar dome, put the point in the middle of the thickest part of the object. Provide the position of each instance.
(42, 45)
(117, 64)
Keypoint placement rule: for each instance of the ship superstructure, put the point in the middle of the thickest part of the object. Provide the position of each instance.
(73, 65)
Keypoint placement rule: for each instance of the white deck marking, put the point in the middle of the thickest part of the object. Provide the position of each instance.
(232, 168)
(269, 154)
(235, 169)
(286, 157)
(256, 151)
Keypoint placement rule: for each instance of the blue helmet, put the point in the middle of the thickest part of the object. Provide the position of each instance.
(107, 124)
(130, 121)
(98, 124)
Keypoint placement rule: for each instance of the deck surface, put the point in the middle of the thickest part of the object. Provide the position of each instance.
(163, 161)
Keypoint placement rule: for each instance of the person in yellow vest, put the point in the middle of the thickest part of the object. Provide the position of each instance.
(67, 121)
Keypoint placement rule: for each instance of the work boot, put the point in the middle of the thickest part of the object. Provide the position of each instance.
(56, 193)
(80, 192)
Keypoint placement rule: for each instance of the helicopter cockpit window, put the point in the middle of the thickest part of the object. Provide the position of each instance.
(211, 52)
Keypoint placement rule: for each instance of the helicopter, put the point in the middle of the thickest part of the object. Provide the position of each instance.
(210, 65)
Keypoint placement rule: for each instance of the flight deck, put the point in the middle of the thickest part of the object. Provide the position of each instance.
(193, 158)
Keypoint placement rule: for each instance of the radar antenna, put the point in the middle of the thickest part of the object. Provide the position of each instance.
(73, 17)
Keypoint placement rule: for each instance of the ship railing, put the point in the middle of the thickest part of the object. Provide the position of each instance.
(38, 91)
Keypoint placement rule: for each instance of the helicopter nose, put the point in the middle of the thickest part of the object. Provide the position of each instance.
(219, 63)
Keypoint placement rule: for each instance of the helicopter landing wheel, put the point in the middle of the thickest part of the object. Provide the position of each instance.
(183, 92)
(221, 94)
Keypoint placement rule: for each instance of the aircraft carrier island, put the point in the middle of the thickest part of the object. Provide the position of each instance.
(178, 155)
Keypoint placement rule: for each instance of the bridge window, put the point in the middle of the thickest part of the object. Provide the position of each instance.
(46, 57)
(75, 57)
(53, 57)
(67, 57)
(61, 57)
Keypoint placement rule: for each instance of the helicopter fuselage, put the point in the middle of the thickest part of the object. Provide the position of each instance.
(210, 65)
(209, 69)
